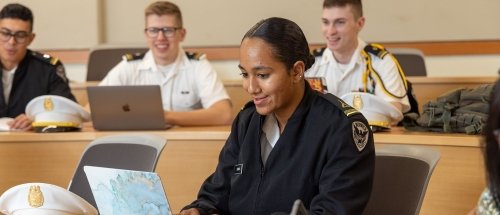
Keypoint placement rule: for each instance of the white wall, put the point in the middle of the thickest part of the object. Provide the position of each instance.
(63, 24)
(70, 24)
(76, 24)
(223, 22)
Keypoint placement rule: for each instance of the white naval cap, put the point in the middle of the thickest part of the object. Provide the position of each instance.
(55, 113)
(376, 110)
(43, 199)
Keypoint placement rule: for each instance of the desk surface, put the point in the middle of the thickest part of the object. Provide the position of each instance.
(89, 134)
(397, 135)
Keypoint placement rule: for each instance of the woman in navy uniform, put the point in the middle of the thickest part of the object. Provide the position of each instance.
(290, 142)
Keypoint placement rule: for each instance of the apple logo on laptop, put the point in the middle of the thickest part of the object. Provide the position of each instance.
(126, 108)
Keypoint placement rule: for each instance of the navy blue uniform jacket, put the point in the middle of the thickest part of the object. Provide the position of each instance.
(315, 159)
(35, 75)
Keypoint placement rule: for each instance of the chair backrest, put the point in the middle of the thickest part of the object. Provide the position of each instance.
(411, 60)
(133, 152)
(102, 59)
(402, 173)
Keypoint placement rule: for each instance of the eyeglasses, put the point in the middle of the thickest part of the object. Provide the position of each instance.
(19, 36)
(167, 31)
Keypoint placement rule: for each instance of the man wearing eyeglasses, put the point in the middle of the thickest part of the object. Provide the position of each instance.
(192, 94)
(25, 74)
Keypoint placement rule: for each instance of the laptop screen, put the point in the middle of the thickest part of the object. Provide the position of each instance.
(119, 191)
(137, 107)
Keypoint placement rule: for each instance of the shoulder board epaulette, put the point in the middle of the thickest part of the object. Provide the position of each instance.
(341, 104)
(45, 58)
(134, 56)
(194, 55)
(376, 49)
(318, 52)
(247, 105)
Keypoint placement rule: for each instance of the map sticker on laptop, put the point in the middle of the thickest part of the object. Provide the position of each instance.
(127, 192)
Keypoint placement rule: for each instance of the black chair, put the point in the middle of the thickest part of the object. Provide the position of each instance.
(134, 152)
(411, 60)
(402, 173)
(103, 59)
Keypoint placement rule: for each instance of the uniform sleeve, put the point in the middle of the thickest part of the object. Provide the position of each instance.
(116, 76)
(59, 83)
(214, 192)
(392, 80)
(346, 179)
(210, 88)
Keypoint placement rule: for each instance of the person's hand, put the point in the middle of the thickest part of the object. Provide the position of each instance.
(21, 123)
(190, 211)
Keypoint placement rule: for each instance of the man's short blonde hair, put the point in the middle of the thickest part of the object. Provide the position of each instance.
(164, 8)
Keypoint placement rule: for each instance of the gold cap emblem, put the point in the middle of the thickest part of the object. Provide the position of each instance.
(35, 196)
(47, 104)
(357, 102)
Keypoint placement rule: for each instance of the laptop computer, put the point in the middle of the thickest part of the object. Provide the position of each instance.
(127, 192)
(137, 107)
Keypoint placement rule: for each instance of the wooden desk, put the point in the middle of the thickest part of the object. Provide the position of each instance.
(425, 88)
(459, 177)
(191, 154)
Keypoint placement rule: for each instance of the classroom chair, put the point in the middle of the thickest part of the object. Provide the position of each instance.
(402, 173)
(104, 58)
(411, 60)
(128, 151)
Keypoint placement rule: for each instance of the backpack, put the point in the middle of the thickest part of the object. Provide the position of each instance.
(458, 111)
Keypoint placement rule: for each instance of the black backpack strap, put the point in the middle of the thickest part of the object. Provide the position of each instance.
(412, 99)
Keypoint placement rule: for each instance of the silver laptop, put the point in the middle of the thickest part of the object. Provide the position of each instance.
(127, 192)
(137, 107)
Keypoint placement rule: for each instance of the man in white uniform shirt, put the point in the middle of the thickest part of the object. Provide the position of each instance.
(192, 94)
(349, 64)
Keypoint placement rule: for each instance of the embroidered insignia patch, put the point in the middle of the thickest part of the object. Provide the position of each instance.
(360, 134)
(348, 110)
(61, 73)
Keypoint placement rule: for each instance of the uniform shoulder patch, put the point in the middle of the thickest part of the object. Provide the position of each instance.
(318, 52)
(247, 105)
(342, 105)
(195, 55)
(376, 49)
(45, 58)
(360, 134)
(133, 56)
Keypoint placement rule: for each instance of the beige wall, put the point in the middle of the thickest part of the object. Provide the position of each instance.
(70, 24)
(63, 24)
(82, 24)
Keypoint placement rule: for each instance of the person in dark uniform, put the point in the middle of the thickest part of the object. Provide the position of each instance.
(25, 74)
(489, 200)
(290, 142)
